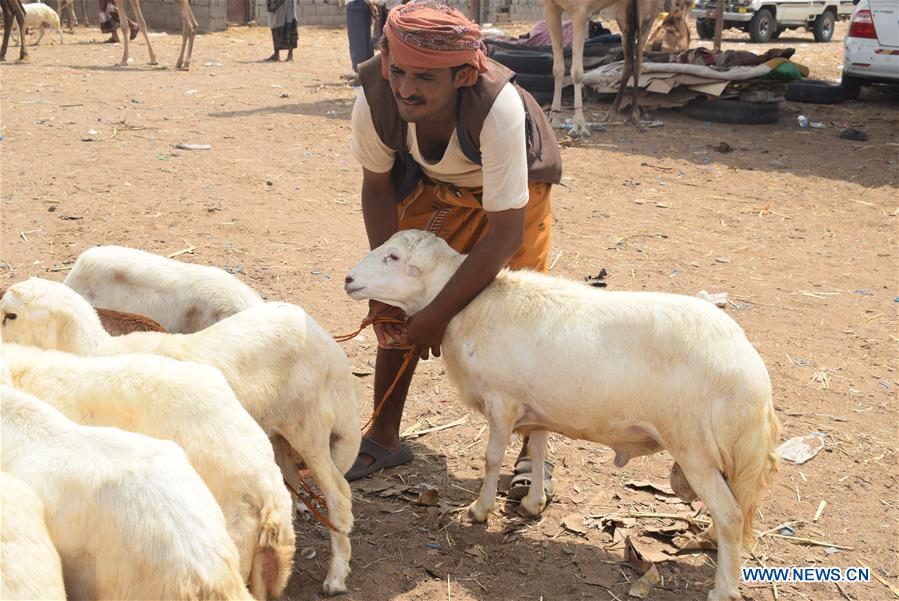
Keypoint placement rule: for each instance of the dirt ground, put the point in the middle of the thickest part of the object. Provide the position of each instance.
(797, 226)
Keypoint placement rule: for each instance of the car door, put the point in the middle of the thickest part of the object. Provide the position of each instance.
(886, 21)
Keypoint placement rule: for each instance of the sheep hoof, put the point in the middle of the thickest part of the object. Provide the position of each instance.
(333, 586)
(729, 595)
(476, 514)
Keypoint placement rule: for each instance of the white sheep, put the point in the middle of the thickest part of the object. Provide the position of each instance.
(30, 567)
(127, 513)
(192, 405)
(183, 297)
(285, 369)
(40, 16)
(639, 372)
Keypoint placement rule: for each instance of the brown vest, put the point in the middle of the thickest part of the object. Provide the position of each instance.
(544, 158)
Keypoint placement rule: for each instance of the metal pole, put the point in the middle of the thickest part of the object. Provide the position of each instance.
(719, 22)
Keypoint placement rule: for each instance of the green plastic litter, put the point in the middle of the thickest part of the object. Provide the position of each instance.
(787, 70)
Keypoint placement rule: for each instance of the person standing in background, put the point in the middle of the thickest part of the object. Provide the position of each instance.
(282, 19)
(358, 31)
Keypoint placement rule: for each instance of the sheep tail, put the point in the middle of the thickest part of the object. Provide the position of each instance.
(752, 464)
(273, 558)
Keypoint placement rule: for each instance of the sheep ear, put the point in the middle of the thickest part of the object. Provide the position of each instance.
(422, 258)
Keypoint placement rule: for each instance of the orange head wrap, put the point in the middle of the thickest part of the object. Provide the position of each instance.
(431, 35)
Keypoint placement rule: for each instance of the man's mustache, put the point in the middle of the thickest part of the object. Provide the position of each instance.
(413, 99)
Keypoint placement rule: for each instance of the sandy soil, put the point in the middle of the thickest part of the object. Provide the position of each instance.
(797, 226)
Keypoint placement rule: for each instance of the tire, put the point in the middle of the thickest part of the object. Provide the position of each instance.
(705, 28)
(852, 87)
(815, 91)
(823, 26)
(525, 61)
(776, 34)
(734, 111)
(762, 26)
(536, 83)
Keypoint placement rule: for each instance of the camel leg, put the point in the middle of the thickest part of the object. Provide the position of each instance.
(553, 15)
(625, 15)
(646, 13)
(126, 34)
(13, 12)
(579, 18)
(189, 27)
(59, 29)
(142, 25)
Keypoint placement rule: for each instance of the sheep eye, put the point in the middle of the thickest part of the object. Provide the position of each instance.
(9, 317)
(392, 257)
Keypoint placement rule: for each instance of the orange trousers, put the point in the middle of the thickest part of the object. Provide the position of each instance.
(456, 215)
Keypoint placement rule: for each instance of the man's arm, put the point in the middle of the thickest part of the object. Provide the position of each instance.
(486, 259)
(378, 207)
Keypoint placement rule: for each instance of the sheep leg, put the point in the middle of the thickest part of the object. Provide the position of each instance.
(338, 496)
(553, 16)
(707, 481)
(500, 431)
(533, 503)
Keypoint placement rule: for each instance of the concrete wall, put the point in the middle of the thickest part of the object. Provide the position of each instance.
(165, 15)
(326, 13)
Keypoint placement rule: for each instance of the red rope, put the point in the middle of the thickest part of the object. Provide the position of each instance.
(309, 497)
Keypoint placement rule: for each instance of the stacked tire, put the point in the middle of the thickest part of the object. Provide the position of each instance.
(534, 71)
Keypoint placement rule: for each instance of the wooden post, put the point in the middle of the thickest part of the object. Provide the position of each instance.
(476, 11)
(719, 23)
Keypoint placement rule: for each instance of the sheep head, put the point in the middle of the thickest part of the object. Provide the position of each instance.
(407, 271)
(47, 314)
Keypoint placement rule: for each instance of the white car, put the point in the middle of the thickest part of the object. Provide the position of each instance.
(765, 20)
(871, 48)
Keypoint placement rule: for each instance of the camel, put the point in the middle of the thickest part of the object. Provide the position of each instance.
(634, 17)
(673, 33)
(189, 27)
(13, 9)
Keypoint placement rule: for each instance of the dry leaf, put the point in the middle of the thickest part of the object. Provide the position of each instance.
(428, 495)
(574, 523)
(644, 585)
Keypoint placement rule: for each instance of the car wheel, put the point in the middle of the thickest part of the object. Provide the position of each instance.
(815, 91)
(823, 26)
(762, 26)
(705, 28)
(852, 87)
(777, 33)
(734, 111)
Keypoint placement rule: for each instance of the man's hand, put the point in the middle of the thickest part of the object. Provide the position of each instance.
(388, 334)
(425, 330)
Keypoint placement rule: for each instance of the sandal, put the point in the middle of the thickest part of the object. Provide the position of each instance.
(383, 458)
(521, 481)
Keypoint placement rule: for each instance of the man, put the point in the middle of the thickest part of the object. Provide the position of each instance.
(447, 144)
(358, 31)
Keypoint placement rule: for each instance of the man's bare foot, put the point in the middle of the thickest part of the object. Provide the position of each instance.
(276, 57)
(289, 58)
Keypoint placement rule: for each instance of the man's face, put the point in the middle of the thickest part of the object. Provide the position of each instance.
(422, 94)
